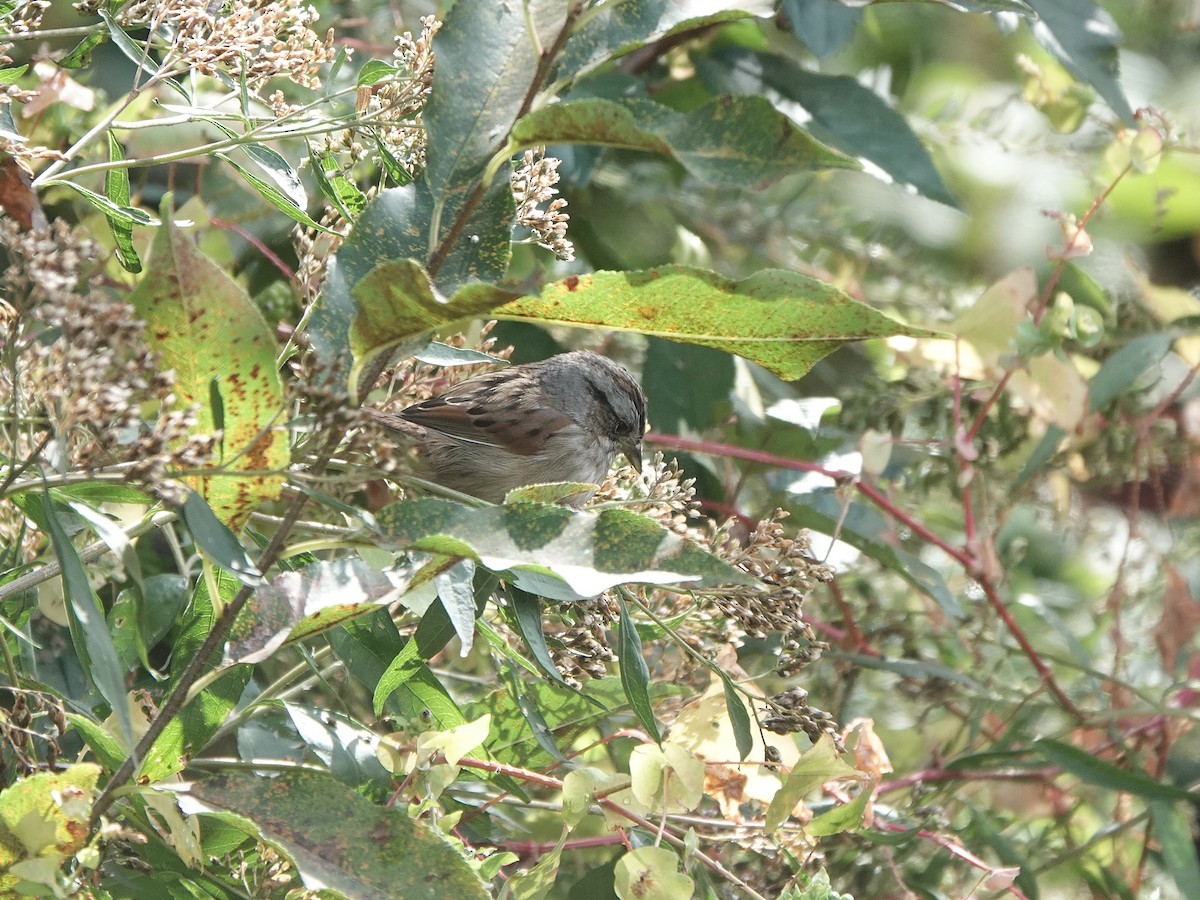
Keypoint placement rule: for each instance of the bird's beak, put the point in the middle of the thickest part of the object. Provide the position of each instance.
(631, 449)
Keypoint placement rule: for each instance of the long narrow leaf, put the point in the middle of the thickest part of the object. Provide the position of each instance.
(635, 676)
(116, 189)
(89, 631)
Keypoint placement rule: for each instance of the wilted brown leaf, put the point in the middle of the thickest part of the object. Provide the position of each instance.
(1179, 621)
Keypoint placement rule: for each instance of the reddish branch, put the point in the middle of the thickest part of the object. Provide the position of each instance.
(965, 556)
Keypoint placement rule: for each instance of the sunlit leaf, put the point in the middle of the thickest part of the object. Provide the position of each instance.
(585, 552)
(339, 839)
(785, 321)
(816, 766)
(302, 603)
(205, 327)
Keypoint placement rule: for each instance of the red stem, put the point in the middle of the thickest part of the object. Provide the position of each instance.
(973, 567)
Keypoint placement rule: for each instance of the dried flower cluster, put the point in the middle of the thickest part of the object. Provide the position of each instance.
(579, 643)
(80, 378)
(532, 185)
(314, 247)
(29, 731)
(24, 17)
(789, 712)
(782, 565)
(254, 40)
(785, 567)
(389, 111)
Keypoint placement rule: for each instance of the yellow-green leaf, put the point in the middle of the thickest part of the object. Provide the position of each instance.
(782, 320)
(204, 327)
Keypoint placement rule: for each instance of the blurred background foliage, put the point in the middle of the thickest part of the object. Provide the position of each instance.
(1048, 465)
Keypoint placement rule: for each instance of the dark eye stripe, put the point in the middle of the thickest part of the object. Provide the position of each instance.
(639, 404)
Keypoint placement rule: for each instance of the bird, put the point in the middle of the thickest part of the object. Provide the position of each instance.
(565, 418)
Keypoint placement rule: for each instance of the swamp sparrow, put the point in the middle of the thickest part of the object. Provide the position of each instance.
(562, 419)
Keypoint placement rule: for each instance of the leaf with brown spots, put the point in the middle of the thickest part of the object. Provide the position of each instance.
(340, 839)
(781, 320)
(204, 326)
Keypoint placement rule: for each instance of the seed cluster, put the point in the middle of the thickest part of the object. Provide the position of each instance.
(80, 383)
(533, 183)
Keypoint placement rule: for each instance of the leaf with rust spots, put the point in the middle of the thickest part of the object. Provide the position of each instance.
(781, 320)
(341, 840)
(205, 328)
(398, 309)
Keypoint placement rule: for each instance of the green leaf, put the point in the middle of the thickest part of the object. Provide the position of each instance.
(825, 26)
(336, 187)
(205, 327)
(739, 718)
(456, 592)
(817, 765)
(527, 617)
(116, 189)
(845, 115)
(398, 309)
(782, 320)
(1177, 846)
(584, 553)
(909, 668)
(308, 601)
(532, 714)
(341, 840)
(129, 214)
(277, 197)
(189, 732)
(34, 816)
(89, 631)
(686, 385)
(1093, 770)
(1126, 366)
(635, 676)
(566, 713)
(81, 56)
(140, 618)
(374, 71)
(405, 661)
(345, 745)
(487, 61)
(862, 527)
(842, 817)
(134, 52)
(393, 228)
(100, 741)
(651, 873)
(733, 141)
(619, 28)
(1085, 39)
(280, 171)
(217, 541)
